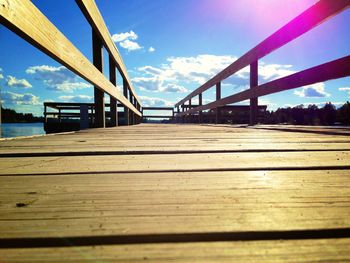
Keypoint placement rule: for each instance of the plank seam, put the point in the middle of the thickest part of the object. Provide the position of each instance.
(261, 169)
(174, 238)
(63, 154)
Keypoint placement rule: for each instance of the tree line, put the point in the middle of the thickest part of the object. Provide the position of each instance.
(310, 115)
(11, 116)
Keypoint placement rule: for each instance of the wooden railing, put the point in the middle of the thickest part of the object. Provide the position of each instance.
(23, 18)
(315, 15)
(170, 117)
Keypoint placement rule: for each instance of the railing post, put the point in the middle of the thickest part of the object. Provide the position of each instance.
(200, 103)
(183, 110)
(189, 108)
(113, 102)
(178, 112)
(218, 109)
(131, 113)
(126, 110)
(134, 114)
(253, 101)
(59, 116)
(97, 49)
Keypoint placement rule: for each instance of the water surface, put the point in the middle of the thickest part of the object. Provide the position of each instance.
(21, 129)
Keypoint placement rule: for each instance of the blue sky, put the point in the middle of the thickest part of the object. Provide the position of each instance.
(172, 47)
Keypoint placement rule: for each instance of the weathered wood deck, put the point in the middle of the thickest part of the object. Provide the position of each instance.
(176, 193)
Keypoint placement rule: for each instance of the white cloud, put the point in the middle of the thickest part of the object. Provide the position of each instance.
(18, 83)
(173, 88)
(171, 76)
(155, 102)
(1, 76)
(199, 69)
(58, 78)
(11, 98)
(151, 49)
(312, 91)
(274, 71)
(154, 84)
(130, 45)
(77, 98)
(127, 40)
(124, 36)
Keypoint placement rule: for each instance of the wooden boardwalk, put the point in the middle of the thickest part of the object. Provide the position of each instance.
(177, 193)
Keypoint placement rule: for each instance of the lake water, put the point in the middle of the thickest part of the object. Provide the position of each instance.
(21, 129)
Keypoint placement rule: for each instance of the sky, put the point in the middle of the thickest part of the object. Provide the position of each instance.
(170, 48)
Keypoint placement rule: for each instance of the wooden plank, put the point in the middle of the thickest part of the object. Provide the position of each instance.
(113, 101)
(325, 250)
(93, 15)
(175, 162)
(40, 32)
(312, 17)
(170, 203)
(331, 70)
(154, 147)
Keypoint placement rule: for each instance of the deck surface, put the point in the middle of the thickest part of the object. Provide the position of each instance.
(177, 193)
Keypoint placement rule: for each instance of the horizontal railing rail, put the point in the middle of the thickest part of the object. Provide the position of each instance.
(145, 116)
(315, 15)
(23, 18)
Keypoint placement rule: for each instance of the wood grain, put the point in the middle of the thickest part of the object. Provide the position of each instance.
(114, 197)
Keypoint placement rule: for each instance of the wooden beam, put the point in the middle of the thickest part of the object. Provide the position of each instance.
(253, 101)
(41, 33)
(335, 69)
(94, 17)
(312, 17)
(131, 115)
(218, 97)
(97, 51)
(126, 110)
(113, 101)
(157, 116)
(157, 108)
(200, 103)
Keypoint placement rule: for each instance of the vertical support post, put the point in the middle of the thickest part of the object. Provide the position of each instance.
(84, 116)
(134, 114)
(131, 113)
(97, 47)
(183, 116)
(59, 116)
(189, 108)
(113, 102)
(218, 109)
(178, 112)
(200, 103)
(126, 110)
(45, 113)
(253, 101)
